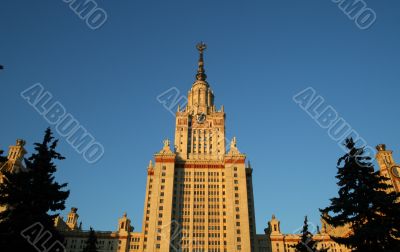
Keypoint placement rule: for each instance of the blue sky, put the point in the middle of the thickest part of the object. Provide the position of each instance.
(260, 54)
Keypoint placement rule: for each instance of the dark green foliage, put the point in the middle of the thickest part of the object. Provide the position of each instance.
(306, 244)
(91, 243)
(31, 196)
(364, 205)
(2, 158)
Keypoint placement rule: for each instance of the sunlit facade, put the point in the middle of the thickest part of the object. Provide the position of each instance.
(199, 192)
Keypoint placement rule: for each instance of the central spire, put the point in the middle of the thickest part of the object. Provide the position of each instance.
(201, 76)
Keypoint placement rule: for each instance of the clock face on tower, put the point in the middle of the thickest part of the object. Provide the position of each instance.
(201, 118)
(396, 171)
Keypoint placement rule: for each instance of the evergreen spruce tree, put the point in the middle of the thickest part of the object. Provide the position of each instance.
(364, 205)
(2, 158)
(32, 196)
(91, 243)
(306, 244)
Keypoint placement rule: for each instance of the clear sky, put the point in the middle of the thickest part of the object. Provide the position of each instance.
(260, 54)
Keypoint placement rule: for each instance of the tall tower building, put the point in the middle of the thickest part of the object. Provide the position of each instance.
(388, 167)
(199, 196)
(14, 159)
(13, 163)
(72, 219)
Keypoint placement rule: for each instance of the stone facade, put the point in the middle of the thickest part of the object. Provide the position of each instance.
(388, 167)
(14, 161)
(199, 196)
(124, 239)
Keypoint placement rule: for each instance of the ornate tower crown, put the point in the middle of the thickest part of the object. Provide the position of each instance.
(200, 96)
(200, 127)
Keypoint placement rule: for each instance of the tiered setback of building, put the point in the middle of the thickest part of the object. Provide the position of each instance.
(199, 196)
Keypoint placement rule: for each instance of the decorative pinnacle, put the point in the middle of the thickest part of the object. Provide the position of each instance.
(20, 142)
(200, 70)
(381, 147)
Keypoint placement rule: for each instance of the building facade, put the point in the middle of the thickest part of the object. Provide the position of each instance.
(14, 161)
(199, 192)
(199, 196)
(388, 167)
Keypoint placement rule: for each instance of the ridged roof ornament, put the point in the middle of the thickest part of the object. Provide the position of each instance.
(201, 75)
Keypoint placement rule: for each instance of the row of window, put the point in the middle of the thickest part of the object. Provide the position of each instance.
(135, 239)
